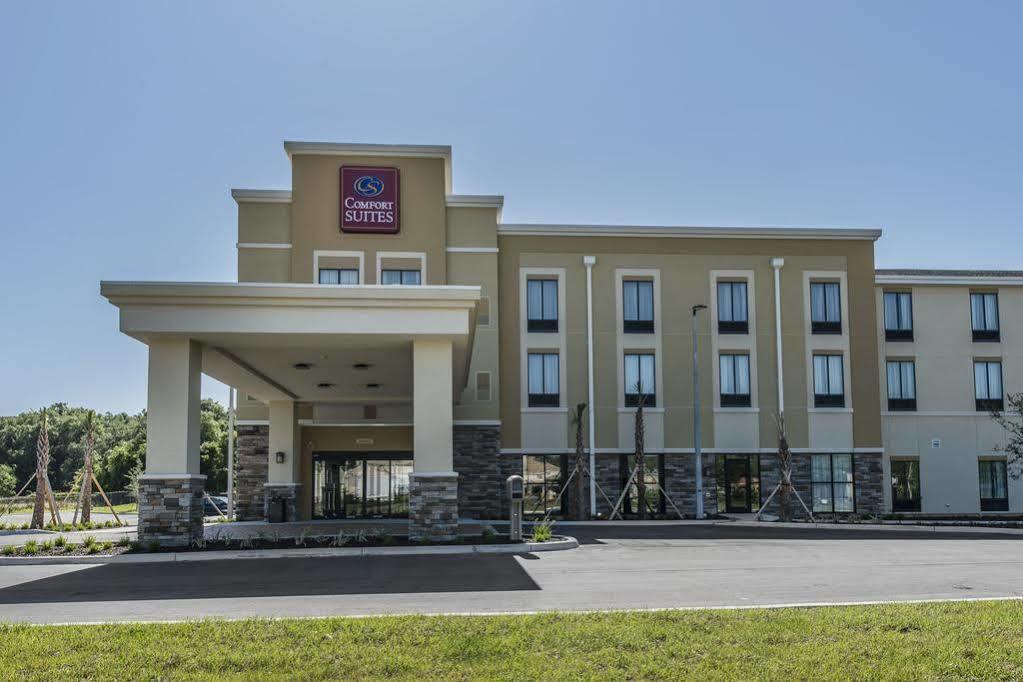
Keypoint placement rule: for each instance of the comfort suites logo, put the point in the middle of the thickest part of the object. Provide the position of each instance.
(369, 200)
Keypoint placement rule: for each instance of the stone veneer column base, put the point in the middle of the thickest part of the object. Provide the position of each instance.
(433, 507)
(251, 463)
(170, 509)
(275, 492)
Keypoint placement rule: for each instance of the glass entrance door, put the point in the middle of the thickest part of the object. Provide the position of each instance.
(352, 486)
(738, 484)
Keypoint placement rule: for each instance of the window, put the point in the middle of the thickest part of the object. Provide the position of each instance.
(825, 308)
(339, 276)
(733, 311)
(639, 379)
(482, 386)
(831, 477)
(407, 277)
(898, 316)
(905, 485)
(738, 483)
(984, 316)
(542, 305)
(987, 382)
(653, 469)
(994, 487)
(901, 385)
(543, 477)
(828, 379)
(543, 380)
(483, 312)
(638, 306)
(734, 379)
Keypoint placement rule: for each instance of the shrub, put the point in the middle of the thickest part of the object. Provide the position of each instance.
(124, 542)
(386, 537)
(89, 541)
(47, 545)
(8, 550)
(31, 547)
(543, 531)
(153, 546)
(60, 541)
(489, 534)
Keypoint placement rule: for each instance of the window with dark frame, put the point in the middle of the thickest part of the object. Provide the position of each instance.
(543, 477)
(994, 486)
(906, 485)
(637, 306)
(734, 378)
(542, 305)
(984, 317)
(828, 381)
(338, 276)
(825, 308)
(639, 378)
(987, 382)
(898, 316)
(653, 469)
(544, 380)
(733, 308)
(406, 277)
(832, 483)
(901, 385)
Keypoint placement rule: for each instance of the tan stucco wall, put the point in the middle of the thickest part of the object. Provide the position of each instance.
(264, 222)
(264, 265)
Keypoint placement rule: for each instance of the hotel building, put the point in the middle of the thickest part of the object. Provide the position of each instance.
(399, 351)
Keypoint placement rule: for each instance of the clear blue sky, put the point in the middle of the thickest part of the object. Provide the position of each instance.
(123, 126)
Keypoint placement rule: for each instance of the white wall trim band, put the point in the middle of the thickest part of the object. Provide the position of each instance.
(472, 249)
(261, 245)
(252, 422)
(476, 422)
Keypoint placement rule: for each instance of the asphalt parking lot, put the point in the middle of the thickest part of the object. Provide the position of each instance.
(615, 567)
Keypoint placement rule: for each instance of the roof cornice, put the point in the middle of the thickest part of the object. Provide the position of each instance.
(509, 229)
(948, 280)
(357, 149)
(262, 196)
(474, 200)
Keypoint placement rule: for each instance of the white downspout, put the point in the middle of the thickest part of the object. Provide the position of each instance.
(589, 262)
(777, 264)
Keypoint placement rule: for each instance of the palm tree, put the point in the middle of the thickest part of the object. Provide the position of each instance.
(580, 487)
(785, 471)
(42, 464)
(640, 453)
(90, 440)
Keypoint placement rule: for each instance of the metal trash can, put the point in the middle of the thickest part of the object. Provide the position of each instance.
(277, 509)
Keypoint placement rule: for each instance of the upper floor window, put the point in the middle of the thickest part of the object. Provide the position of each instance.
(410, 277)
(544, 380)
(898, 316)
(339, 276)
(733, 309)
(734, 379)
(825, 308)
(638, 306)
(639, 380)
(901, 385)
(542, 305)
(984, 315)
(828, 381)
(987, 382)
(994, 485)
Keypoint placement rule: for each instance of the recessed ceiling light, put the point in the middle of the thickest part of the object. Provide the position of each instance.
(361, 365)
(303, 365)
(325, 384)
(373, 385)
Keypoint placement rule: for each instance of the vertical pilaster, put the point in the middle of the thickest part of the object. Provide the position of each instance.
(283, 477)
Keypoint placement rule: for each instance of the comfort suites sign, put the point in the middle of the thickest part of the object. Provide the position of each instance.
(369, 200)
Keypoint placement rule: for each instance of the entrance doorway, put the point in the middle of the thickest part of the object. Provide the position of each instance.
(738, 484)
(361, 485)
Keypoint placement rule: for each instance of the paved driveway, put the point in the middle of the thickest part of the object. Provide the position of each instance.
(616, 567)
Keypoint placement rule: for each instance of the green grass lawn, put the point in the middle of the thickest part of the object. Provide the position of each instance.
(976, 640)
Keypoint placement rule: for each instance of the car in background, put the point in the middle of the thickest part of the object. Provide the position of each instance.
(214, 505)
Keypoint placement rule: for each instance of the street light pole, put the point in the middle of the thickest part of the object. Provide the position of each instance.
(696, 416)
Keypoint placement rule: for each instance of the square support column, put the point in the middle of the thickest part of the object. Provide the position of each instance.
(283, 478)
(171, 490)
(433, 492)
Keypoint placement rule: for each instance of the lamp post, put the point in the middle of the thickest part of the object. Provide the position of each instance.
(696, 416)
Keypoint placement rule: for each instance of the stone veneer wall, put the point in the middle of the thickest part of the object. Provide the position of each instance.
(170, 510)
(251, 464)
(868, 477)
(433, 508)
(288, 492)
(482, 471)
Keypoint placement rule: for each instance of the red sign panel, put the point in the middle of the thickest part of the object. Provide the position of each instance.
(369, 199)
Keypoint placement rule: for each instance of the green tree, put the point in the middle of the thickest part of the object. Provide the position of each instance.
(8, 482)
(213, 449)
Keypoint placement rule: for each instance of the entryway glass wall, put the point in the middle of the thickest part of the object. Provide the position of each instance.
(738, 484)
(361, 485)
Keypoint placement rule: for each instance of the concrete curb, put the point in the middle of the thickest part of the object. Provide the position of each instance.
(561, 543)
(891, 527)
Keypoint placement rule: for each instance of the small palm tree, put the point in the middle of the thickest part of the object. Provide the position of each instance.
(580, 484)
(90, 441)
(42, 464)
(785, 471)
(640, 453)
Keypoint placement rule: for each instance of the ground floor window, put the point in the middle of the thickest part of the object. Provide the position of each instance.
(360, 485)
(831, 477)
(653, 466)
(738, 483)
(543, 476)
(905, 485)
(994, 486)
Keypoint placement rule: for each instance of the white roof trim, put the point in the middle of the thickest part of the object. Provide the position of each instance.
(261, 245)
(474, 200)
(472, 249)
(287, 293)
(262, 196)
(356, 149)
(509, 229)
(956, 280)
